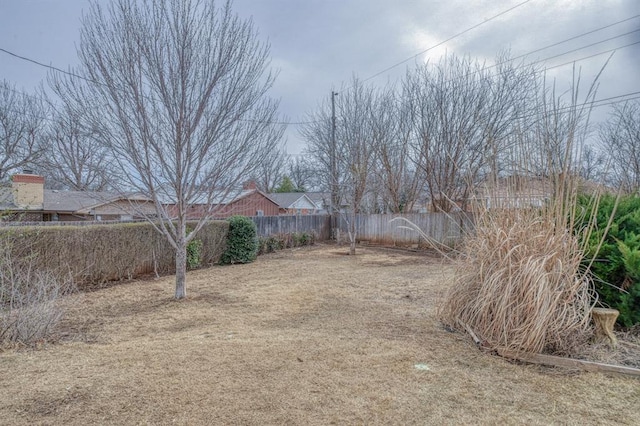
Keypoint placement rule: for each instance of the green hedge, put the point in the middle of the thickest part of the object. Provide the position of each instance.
(95, 254)
(242, 241)
(617, 263)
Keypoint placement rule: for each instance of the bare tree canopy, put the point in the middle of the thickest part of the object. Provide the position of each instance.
(74, 159)
(620, 138)
(21, 124)
(397, 182)
(464, 116)
(176, 90)
(357, 109)
(301, 171)
(271, 168)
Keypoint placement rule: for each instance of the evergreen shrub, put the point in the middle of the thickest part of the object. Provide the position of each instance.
(242, 241)
(617, 263)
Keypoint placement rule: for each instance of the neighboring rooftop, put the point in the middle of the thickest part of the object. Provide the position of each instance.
(286, 199)
(72, 201)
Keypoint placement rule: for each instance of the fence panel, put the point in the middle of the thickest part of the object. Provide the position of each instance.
(320, 225)
(391, 229)
(400, 229)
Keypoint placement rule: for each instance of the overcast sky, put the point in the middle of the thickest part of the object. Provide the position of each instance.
(320, 44)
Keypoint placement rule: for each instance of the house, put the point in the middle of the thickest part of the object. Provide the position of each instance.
(518, 191)
(323, 202)
(249, 201)
(294, 203)
(514, 191)
(321, 199)
(27, 201)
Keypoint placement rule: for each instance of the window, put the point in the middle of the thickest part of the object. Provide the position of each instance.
(260, 213)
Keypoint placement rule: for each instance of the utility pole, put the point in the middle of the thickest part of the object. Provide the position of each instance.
(335, 203)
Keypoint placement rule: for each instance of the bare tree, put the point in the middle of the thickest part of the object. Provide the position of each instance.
(302, 173)
(271, 168)
(317, 133)
(620, 138)
(354, 150)
(465, 115)
(176, 90)
(449, 104)
(21, 124)
(75, 159)
(398, 181)
(592, 164)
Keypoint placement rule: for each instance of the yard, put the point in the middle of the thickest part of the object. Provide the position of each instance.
(305, 336)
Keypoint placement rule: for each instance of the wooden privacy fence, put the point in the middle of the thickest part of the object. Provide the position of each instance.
(320, 225)
(391, 229)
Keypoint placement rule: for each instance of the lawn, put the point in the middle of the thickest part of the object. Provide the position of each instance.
(305, 336)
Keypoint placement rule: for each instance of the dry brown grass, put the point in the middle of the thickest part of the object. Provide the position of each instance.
(305, 336)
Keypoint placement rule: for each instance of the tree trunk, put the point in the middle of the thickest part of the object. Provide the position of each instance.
(181, 271)
(353, 229)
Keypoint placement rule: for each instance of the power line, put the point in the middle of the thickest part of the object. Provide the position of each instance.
(447, 40)
(588, 57)
(592, 104)
(562, 42)
(287, 123)
(596, 103)
(591, 45)
(579, 36)
(24, 58)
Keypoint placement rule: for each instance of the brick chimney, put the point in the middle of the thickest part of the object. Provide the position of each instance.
(250, 184)
(28, 191)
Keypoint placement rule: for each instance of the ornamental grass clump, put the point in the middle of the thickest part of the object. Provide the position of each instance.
(520, 285)
(523, 281)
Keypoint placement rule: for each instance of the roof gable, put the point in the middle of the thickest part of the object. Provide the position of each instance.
(293, 200)
(247, 192)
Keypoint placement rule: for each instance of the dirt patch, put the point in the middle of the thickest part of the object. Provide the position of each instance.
(302, 336)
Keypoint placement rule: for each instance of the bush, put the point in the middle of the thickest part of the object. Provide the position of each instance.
(194, 253)
(281, 241)
(303, 239)
(242, 241)
(617, 262)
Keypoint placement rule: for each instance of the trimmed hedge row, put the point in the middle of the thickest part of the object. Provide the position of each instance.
(97, 254)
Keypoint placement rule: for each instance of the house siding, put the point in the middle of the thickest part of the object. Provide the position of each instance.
(295, 211)
(123, 207)
(249, 206)
(245, 206)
